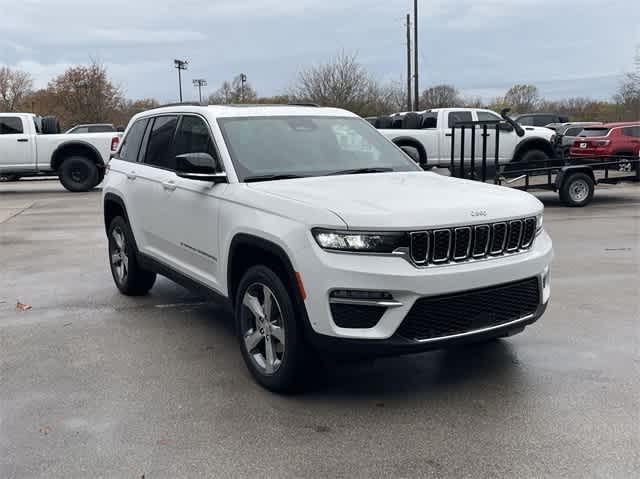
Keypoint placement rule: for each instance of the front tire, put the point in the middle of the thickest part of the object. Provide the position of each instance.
(270, 331)
(78, 174)
(130, 278)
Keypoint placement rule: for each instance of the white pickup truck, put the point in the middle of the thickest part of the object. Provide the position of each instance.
(78, 160)
(429, 132)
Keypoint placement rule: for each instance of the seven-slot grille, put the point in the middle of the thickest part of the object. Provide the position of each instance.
(467, 242)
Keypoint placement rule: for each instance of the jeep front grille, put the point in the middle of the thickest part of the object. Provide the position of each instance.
(459, 244)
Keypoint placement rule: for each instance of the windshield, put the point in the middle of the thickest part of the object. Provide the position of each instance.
(594, 132)
(308, 146)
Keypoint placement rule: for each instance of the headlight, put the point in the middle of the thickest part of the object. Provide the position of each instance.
(539, 223)
(366, 242)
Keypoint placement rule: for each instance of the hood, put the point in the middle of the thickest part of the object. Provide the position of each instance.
(411, 200)
(538, 131)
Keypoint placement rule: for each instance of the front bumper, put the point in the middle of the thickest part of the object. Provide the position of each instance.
(323, 272)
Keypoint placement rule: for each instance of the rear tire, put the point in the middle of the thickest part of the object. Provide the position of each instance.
(577, 190)
(9, 178)
(78, 174)
(130, 278)
(266, 319)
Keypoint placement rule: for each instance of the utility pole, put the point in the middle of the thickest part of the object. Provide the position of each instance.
(416, 97)
(243, 80)
(200, 82)
(180, 65)
(409, 101)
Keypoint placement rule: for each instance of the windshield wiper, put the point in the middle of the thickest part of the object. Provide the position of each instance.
(251, 179)
(357, 171)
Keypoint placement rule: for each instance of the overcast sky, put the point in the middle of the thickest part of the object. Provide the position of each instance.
(566, 47)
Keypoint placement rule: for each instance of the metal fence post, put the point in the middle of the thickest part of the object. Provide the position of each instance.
(497, 155)
(473, 152)
(462, 135)
(484, 153)
(452, 170)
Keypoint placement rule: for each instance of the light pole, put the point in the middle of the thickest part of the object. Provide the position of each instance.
(200, 82)
(243, 80)
(180, 65)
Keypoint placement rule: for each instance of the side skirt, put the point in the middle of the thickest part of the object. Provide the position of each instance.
(150, 264)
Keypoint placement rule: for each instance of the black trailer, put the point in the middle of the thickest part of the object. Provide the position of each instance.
(574, 179)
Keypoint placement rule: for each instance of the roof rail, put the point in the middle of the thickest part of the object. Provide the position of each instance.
(302, 103)
(183, 103)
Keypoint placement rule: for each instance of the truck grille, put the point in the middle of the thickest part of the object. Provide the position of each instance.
(463, 243)
(459, 313)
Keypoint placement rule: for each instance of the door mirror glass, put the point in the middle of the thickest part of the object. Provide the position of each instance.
(198, 166)
(504, 126)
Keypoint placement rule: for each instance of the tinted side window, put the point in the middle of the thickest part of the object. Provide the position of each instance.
(573, 131)
(159, 145)
(10, 125)
(542, 120)
(633, 131)
(456, 116)
(80, 129)
(193, 137)
(131, 144)
(526, 121)
(487, 116)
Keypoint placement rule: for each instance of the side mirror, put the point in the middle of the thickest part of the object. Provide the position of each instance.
(504, 113)
(503, 126)
(199, 166)
(411, 152)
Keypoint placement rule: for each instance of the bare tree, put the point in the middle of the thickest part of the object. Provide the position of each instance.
(628, 96)
(85, 95)
(441, 96)
(15, 85)
(522, 98)
(341, 82)
(233, 92)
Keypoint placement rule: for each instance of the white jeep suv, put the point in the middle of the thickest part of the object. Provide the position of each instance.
(321, 234)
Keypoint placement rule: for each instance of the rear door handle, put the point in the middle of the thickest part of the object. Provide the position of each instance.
(447, 134)
(169, 185)
(22, 140)
(132, 175)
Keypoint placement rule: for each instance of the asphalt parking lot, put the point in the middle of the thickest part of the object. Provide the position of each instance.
(94, 384)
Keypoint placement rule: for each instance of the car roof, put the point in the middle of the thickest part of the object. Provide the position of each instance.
(245, 110)
(617, 124)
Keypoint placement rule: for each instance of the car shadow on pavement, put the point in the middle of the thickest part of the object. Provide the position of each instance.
(431, 372)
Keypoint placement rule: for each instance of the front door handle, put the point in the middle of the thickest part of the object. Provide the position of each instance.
(447, 134)
(132, 175)
(22, 140)
(169, 185)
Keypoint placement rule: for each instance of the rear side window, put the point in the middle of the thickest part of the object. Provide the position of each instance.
(543, 120)
(193, 137)
(487, 116)
(633, 131)
(573, 131)
(80, 129)
(131, 144)
(10, 125)
(159, 143)
(588, 132)
(456, 116)
(526, 121)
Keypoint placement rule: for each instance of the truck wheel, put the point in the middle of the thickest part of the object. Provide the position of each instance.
(101, 173)
(9, 178)
(78, 173)
(577, 190)
(129, 277)
(535, 157)
(269, 331)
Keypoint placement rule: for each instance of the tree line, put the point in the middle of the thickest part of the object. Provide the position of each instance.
(85, 94)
